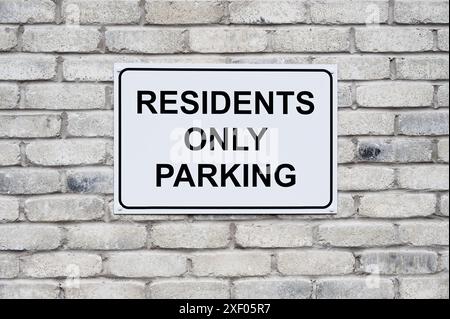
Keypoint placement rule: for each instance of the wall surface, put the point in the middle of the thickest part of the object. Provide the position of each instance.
(58, 236)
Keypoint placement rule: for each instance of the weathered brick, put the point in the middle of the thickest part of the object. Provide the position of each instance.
(10, 153)
(424, 233)
(344, 11)
(346, 150)
(190, 235)
(357, 234)
(395, 95)
(139, 40)
(101, 11)
(423, 123)
(189, 289)
(429, 287)
(366, 123)
(9, 95)
(29, 289)
(9, 266)
(358, 67)
(105, 289)
(9, 209)
(90, 124)
(423, 177)
(442, 95)
(8, 38)
(269, 59)
(354, 287)
(310, 39)
(365, 178)
(443, 210)
(231, 264)
(274, 234)
(399, 262)
(27, 11)
(64, 208)
(394, 150)
(443, 261)
(265, 12)
(423, 68)
(27, 67)
(29, 237)
(397, 205)
(346, 206)
(344, 95)
(60, 39)
(421, 11)
(30, 125)
(393, 39)
(443, 39)
(231, 40)
(106, 236)
(443, 150)
(66, 152)
(184, 12)
(283, 288)
(29, 181)
(315, 262)
(145, 264)
(61, 264)
(90, 180)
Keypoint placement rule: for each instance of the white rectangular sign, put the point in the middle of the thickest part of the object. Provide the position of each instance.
(208, 139)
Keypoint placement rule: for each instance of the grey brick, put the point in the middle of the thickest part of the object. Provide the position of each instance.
(90, 180)
(344, 95)
(443, 150)
(422, 11)
(10, 153)
(29, 181)
(424, 177)
(29, 237)
(9, 209)
(30, 125)
(89, 124)
(8, 38)
(443, 39)
(27, 11)
(366, 123)
(273, 288)
(355, 288)
(346, 205)
(189, 289)
(424, 233)
(106, 289)
(442, 96)
(365, 178)
(427, 287)
(29, 289)
(443, 209)
(346, 150)
(9, 95)
(9, 266)
(27, 67)
(395, 95)
(394, 150)
(423, 68)
(423, 123)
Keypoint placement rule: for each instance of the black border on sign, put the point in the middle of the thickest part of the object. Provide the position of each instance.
(227, 207)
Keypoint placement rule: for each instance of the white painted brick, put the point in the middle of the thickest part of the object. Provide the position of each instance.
(90, 180)
(66, 152)
(100, 123)
(358, 67)
(106, 236)
(267, 12)
(424, 123)
(365, 123)
(65, 96)
(274, 234)
(421, 11)
(346, 205)
(397, 205)
(424, 177)
(184, 12)
(29, 289)
(27, 11)
(344, 95)
(443, 93)
(8, 38)
(29, 181)
(394, 150)
(30, 125)
(443, 150)
(61, 264)
(60, 39)
(101, 11)
(145, 264)
(424, 233)
(9, 209)
(279, 288)
(142, 40)
(392, 262)
(344, 11)
(429, 287)
(231, 263)
(393, 39)
(395, 95)
(315, 262)
(190, 235)
(106, 289)
(444, 205)
(311, 39)
(9, 95)
(10, 153)
(64, 208)
(189, 289)
(443, 39)
(346, 150)
(230, 40)
(423, 68)
(9, 266)
(29, 237)
(355, 288)
(357, 234)
(365, 178)
(27, 67)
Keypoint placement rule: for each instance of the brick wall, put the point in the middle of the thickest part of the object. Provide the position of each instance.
(391, 234)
